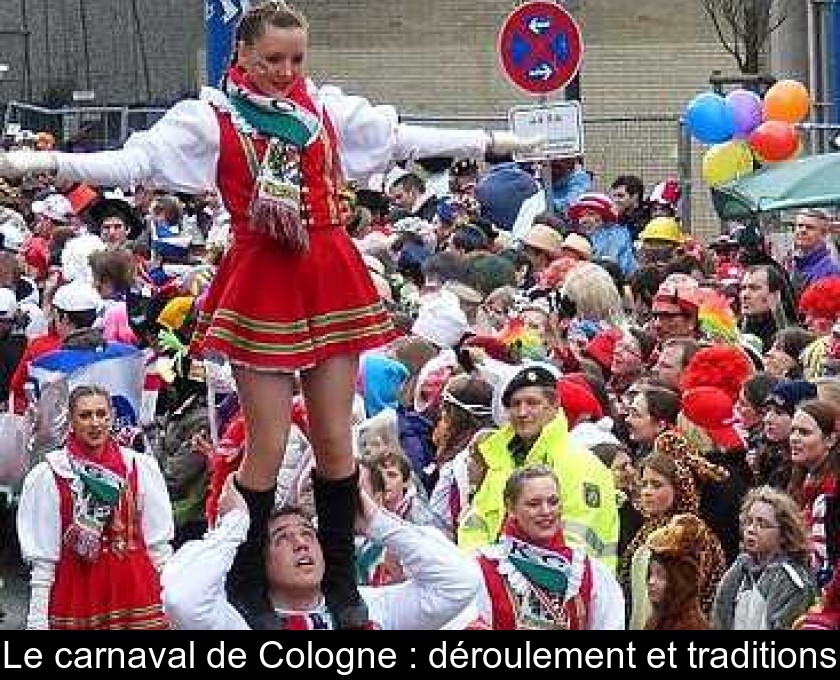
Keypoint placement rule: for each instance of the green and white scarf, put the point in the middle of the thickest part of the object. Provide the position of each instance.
(276, 206)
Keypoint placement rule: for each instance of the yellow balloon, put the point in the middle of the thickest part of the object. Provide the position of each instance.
(727, 161)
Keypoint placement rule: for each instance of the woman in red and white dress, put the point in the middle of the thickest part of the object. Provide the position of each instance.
(95, 522)
(292, 294)
(532, 579)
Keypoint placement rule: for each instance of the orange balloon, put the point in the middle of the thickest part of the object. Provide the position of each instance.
(774, 141)
(787, 101)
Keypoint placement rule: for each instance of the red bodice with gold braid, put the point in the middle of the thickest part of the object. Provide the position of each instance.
(120, 590)
(320, 169)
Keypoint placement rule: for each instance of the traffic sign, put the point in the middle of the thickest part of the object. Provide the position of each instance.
(559, 123)
(540, 47)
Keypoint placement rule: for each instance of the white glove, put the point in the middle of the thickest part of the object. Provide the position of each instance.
(503, 143)
(19, 163)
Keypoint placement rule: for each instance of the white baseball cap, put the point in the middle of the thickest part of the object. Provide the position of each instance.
(77, 296)
(56, 207)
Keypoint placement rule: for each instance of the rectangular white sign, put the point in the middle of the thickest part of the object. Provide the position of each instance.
(559, 123)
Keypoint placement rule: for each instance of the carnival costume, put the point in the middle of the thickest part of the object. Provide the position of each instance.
(96, 529)
(552, 586)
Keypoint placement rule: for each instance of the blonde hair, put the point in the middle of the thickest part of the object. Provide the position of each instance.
(793, 535)
(593, 291)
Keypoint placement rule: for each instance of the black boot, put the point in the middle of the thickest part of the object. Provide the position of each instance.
(247, 585)
(337, 503)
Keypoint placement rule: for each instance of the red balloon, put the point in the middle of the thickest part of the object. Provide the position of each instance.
(774, 141)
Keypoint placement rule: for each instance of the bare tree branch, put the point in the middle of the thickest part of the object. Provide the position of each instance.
(743, 27)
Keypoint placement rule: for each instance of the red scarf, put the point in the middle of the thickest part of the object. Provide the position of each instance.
(109, 456)
(242, 79)
(511, 528)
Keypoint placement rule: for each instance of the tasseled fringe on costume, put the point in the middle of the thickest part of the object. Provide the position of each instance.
(281, 222)
(85, 541)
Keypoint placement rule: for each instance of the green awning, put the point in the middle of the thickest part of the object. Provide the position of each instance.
(804, 183)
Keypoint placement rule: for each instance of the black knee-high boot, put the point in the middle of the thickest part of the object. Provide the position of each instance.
(337, 503)
(247, 584)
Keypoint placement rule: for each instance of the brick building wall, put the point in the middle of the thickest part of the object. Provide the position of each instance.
(643, 58)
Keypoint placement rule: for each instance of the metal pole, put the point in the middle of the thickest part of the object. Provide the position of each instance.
(825, 72)
(545, 173)
(813, 67)
(684, 156)
(27, 66)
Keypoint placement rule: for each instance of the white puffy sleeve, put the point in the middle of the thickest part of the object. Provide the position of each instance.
(371, 138)
(179, 153)
(606, 609)
(39, 516)
(158, 525)
(194, 579)
(441, 582)
(39, 534)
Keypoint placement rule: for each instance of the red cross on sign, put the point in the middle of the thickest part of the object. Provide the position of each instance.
(540, 47)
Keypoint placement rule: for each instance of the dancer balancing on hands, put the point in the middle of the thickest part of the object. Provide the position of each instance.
(292, 294)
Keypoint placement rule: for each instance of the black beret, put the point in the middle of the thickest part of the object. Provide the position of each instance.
(531, 376)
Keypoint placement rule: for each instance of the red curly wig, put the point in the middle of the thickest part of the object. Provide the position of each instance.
(723, 366)
(822, 299)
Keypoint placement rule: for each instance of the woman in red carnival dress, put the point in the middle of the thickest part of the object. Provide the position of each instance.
(95, 523)
(292, 294)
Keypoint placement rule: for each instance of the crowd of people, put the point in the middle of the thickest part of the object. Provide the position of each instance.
(441, 395)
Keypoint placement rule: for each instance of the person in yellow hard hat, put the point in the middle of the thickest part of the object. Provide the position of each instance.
(659, 240)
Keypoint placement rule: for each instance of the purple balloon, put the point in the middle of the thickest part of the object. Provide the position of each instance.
(746, 110)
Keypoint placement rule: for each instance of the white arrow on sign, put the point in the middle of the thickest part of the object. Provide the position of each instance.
(542, 72)
(229, 10)
(539, 25)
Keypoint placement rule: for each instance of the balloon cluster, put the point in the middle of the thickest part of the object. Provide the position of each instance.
(741, 127)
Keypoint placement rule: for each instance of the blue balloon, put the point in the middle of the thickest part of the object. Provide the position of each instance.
(709, 119)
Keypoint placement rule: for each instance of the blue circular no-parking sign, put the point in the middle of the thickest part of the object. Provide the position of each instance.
(540, 47)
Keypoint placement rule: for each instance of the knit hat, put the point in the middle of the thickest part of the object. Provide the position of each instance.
(666, 193)
(55, 207)
(543, 238)
(725, 367)
(602, 347)
(578, 402)
(711, 409)
(679, 293)
(382, 379)
(501, 192)
(441, 320)
(76, 296)
(36, 254)
(788, 394)
(595, 202)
